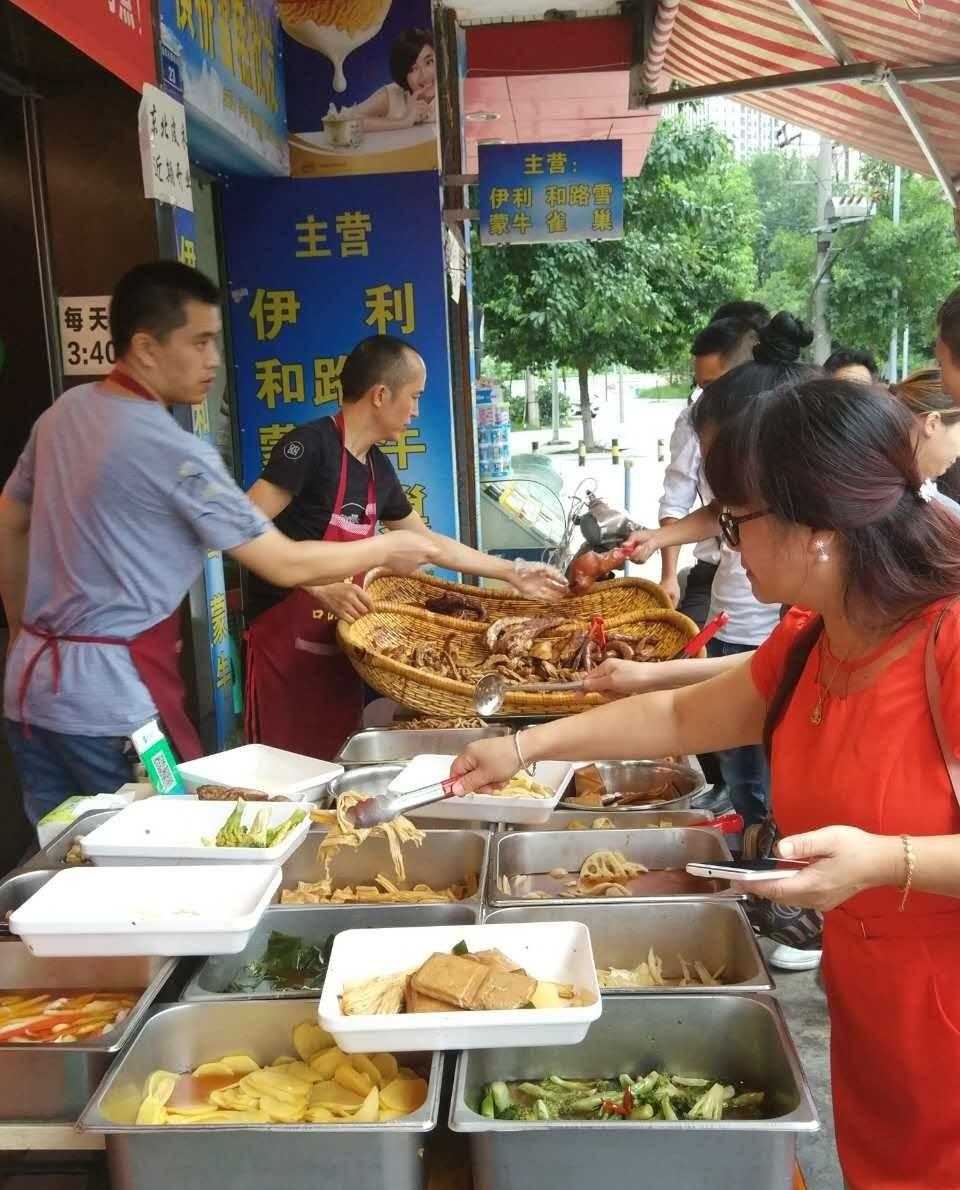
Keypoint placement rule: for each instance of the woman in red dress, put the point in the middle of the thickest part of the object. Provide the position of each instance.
(823, 498)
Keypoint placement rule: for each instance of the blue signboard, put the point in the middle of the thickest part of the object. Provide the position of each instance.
(545, 193)
(225, 55)
(314, 266)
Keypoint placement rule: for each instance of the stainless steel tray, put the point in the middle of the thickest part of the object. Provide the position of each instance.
(626, 820)
(315, 924)
(645, 776)
(715, 932)
(518, 854)
(54, 1082)
(17, 888)
(54, 855)
(444, 858)
(253, 1156)
(377, 746)
(741, 1039)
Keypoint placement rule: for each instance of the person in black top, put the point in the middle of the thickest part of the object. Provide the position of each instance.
(328, 480)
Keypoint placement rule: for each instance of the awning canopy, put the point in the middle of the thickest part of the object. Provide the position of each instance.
(879, 95)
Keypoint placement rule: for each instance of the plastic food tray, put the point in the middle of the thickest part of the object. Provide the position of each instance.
(269, 770)
(171, 830)
(559, 951)
(428, 769)
(146, 911)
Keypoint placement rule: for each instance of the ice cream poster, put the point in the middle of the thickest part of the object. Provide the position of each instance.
(361, 83)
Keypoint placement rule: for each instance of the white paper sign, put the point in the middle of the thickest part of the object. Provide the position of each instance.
(163, 148)
(85, 342)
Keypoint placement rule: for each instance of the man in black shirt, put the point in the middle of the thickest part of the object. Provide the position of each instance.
(328, 480)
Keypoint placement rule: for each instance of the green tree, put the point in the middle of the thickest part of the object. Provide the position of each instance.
(918, 257)
(689, 220)
(785, 186)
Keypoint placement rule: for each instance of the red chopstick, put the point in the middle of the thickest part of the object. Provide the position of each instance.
(702, 639)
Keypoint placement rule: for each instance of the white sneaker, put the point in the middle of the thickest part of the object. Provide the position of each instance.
(789, 958)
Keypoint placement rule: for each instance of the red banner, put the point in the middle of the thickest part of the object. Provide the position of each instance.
(116, 33)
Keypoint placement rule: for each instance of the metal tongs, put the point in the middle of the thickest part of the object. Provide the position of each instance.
(374, 811)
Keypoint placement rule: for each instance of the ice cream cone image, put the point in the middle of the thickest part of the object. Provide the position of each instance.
(334, 28)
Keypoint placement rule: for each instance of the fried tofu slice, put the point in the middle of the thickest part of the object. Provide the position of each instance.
(496, 959)
(451, 979)
(505, 990)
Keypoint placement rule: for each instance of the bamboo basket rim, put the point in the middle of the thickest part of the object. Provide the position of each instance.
(494, 594)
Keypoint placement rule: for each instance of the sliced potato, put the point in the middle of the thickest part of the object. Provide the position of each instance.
(277, 1084)
(213, 1070)
(369, 1111)
(303, 1072)
(390, 1113)
(363, 1065)
(235, 1099)
(240, 1064)
(332, 1095)
(319, 1115)
(387, 1065)
(160, 1086)
(406, 1072)
(404, 1095)
(310, 1039)
(151, 1112)
(283, 1060)
(547, 995)
(327, 1061)
(193, 1109)
(352, 1079)
(281, 1112)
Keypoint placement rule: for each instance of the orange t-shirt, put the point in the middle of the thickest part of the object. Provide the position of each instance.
(874, 761)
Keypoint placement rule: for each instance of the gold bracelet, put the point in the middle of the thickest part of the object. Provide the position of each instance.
(529, 769)
(910, 862)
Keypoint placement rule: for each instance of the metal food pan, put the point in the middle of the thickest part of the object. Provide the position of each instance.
(517, 854)
(54, 855)
(314, 924)
(54, 1082)
(444, 858)
(17, 889)
(373, 780)
(738, 1039)
(626, 820)
(645, 777)
(377, 746)
(715, 932)
(252, 1156)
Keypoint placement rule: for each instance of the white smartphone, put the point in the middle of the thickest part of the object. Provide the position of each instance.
(745, 870)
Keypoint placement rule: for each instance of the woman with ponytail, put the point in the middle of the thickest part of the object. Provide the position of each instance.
(857, 699)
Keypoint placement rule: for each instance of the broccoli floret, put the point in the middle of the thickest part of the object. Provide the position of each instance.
(501, 1097)
(709, 1106)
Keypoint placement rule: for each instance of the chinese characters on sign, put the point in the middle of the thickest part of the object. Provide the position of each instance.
(85, 342)
(336, 261)
(163, 149)
(536, 194)
(224, 55)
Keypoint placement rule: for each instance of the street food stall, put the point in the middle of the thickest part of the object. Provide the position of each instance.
(540, 964)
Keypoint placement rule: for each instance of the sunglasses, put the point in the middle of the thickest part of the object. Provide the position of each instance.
(730, 525)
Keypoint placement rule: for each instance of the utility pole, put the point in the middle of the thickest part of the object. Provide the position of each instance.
(555, 406)
(821, 332)
(623, 414)
(533, 405)
(892, 362)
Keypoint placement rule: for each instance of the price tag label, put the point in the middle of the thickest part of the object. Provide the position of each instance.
(85, 342)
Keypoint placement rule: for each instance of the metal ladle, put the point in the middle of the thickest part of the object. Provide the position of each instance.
(492, 689)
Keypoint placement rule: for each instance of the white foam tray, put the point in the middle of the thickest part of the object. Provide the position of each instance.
(257, 766)
(429, 769)
(146, 911)
(170, 830)
(558, 951)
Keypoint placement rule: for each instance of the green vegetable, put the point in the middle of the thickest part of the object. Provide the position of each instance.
(709, 1106)
(501, 1096)
(460, 949)
(543, 1112)
(259, 834)
(666, 1108)
(643, 1112)
(288, 964)
(487, 1106)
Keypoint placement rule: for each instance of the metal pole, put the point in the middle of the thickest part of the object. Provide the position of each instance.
(533, 405)
(36, 177)
(821, 332)
(892, 370)
(627, 498)
(905, 363)
(555, 406)
(623, 415)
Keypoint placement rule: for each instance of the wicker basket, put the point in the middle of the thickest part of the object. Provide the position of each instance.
(445, 698)
(616, 597)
